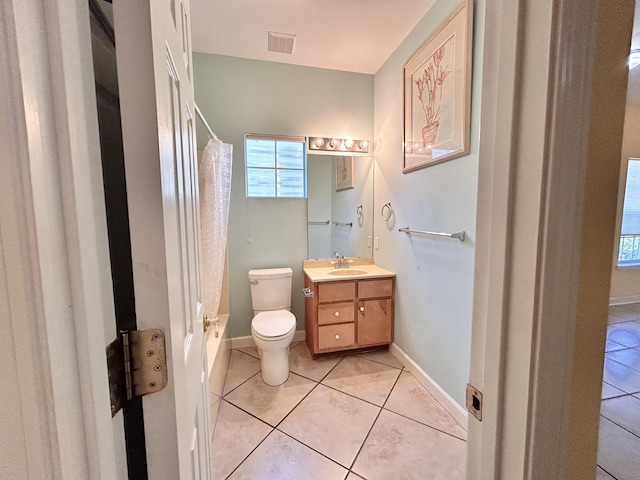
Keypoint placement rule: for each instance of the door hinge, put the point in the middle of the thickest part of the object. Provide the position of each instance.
(474, 401)
(137, 365)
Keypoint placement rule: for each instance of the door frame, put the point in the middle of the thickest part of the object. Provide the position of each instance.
(543, 266)
(57, 300)
(55, 252)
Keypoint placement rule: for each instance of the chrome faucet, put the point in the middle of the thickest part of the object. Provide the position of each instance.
(341, 261)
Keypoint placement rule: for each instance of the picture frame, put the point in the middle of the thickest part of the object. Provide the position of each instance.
(344, 172)
(437, 94)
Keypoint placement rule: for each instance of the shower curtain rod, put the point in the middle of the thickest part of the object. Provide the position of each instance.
(204, 122)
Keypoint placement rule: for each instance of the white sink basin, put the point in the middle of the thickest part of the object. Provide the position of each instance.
(347, 272)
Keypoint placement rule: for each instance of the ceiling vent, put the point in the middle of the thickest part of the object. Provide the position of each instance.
(281, 42)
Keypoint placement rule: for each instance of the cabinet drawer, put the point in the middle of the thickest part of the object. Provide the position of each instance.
(335, 313)
(336, 336)
(375, 288)
(334, 292)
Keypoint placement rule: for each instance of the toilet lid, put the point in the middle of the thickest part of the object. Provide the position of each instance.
(274, 324)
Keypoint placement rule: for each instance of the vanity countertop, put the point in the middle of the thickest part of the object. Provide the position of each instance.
(359, 268)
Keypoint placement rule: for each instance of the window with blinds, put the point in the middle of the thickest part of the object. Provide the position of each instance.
(275, 166)
(629, 253)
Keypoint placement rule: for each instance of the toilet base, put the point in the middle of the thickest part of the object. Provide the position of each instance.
(275, 366)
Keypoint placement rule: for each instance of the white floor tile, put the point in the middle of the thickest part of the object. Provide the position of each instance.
(627, 333)
(618, 451)
(281, 457)
(629, 357)
(237, 433)
(609, 391)
(624, 411)
(410, 399)
(331, 422)
(241, 368)
(602, 475)
(398, 447)
(370, 381)
(270, 404)
(621, 376)
(301, 362)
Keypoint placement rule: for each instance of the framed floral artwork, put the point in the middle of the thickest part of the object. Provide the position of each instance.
(344, 173)
(437, 94)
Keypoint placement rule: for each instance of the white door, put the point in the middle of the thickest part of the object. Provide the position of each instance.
(156, 99)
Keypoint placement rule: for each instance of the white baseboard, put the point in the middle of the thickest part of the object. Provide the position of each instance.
(449, 404)
(623, 300)
(247, 341)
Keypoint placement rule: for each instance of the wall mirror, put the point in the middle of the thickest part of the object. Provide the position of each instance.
(339, 206)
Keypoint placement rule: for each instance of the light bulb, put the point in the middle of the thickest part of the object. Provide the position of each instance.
(348, 143)
(362, 145)
(318, 142)
(334, 143)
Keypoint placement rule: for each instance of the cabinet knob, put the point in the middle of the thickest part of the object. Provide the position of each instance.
(337, 337)
(362, 309)
(337, 314)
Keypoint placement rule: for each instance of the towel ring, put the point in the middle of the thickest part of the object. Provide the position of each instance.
(359, 212)
(386, 216)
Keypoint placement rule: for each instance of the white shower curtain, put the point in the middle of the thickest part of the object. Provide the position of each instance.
(215, 192)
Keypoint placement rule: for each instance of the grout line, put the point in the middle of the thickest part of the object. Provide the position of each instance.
(249, 413)
(365, 440)
(296, 405)
(249, 355)
(351, 395)
(325, 375)
(311, 448)
(374, 422)
(239, 385)
(249, 454)
(359, 355)
(349, 469)
(606, 471)
(621, 426)
(333, 368)
(427, 425)
(245, 353)
(394, 386)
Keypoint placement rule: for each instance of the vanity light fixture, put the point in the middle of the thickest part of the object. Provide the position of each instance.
(329, 144)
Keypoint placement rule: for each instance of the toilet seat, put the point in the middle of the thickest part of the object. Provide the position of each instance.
(274, 325)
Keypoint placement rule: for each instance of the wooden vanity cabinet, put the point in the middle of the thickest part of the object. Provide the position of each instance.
(349, 314)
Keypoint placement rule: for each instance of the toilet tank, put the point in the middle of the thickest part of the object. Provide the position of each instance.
(270, 289)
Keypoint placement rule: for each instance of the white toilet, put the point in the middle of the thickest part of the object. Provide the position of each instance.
(273, 325)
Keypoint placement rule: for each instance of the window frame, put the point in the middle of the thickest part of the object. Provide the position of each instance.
(634, 262)
(275, 169)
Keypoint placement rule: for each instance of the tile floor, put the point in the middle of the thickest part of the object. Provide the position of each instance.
(619, 441)
(353, 417)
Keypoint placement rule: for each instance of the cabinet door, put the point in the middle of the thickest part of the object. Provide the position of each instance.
(375, 322)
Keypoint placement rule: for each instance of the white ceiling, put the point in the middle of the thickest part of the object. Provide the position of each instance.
(349, 35)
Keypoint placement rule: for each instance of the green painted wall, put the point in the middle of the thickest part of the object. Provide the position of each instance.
(434, 288)
(239, 96)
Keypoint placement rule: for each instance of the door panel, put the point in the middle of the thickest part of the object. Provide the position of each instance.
(160, 161)
(374, 321)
